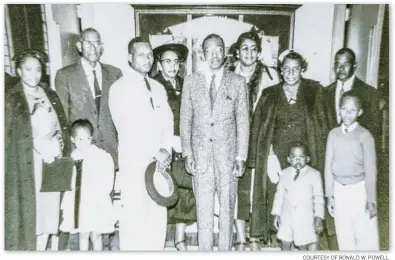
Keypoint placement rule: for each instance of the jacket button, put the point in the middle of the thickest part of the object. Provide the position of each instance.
(211, 140)
(212, 124)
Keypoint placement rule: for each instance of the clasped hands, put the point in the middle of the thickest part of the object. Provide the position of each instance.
(239, 167)
(370, 208)
(318, 226)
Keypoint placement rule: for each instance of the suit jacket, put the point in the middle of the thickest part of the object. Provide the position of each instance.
(19, 188)
(370, 118)
(303, 199)
(75, 94)
(225, 127)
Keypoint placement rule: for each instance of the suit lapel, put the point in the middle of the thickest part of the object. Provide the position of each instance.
(82, 81)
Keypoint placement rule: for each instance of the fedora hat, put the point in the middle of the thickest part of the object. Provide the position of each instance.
(179, 48)
(161, 187)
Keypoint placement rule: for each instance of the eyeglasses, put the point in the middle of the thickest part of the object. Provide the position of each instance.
(92, 44)
(168, 62)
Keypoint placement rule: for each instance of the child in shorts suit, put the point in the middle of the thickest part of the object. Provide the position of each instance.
(298, 206)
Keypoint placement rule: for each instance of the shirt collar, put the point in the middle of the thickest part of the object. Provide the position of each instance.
(87, 67)
(172, 81)
(348, 83)
(135, 74)
(218, 74)
(350, 128)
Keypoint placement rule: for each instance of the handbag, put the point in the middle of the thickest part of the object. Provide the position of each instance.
(182, 177)
(56, 176)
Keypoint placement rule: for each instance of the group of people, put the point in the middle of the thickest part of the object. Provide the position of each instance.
(266, 144)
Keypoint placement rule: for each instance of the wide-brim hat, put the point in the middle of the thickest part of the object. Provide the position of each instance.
(161, 187)
(181, 49)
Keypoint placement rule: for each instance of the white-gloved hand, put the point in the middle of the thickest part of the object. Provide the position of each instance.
(331, 206)
(273, 168)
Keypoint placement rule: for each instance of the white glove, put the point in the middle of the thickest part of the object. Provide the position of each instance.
(273, 168)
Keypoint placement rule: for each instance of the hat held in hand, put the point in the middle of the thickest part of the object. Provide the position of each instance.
(161, 186)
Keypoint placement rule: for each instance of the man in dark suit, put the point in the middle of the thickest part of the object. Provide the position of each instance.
(346, 80)
(345, 66)
(83, 89)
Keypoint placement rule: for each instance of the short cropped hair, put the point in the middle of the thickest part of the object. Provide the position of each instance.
(210, 36)
(347, 51)
(81, 123)
(90, 29)
(351, 94)
(136, 40)
(299, 144)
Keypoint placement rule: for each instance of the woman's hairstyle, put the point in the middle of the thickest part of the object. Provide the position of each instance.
(251, 36)
(293, 55)
(81, 123)
(20, 58)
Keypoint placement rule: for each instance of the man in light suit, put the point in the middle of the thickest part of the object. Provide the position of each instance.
(214, 128)
(83, 89)
(144, 122)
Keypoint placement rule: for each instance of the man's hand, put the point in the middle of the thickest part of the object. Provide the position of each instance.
(190, 166)
(371, 209)
(331, 206)
(277, 222)
(239, 168)
(318, 227)
(164, 158)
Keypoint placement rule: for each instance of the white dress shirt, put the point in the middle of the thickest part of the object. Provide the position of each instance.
(347, 85)
(89, 75)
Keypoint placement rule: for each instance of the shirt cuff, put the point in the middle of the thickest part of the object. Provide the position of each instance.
(240, 158)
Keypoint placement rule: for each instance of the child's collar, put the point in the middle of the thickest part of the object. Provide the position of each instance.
(350, 128)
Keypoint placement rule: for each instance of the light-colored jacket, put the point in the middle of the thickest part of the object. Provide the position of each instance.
(225, 127)
(303, 198)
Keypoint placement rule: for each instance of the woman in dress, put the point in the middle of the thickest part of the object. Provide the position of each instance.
(36, 131)
(287, 112)
(169, 58)
(258, 77)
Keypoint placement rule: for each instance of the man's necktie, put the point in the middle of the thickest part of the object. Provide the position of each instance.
(342, 90)
(149, 89)
(77, 201)
(346, 130)
(97, 90)
(297, 174)
(213, 90)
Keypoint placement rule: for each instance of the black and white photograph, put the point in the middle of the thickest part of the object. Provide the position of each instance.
(197, 127)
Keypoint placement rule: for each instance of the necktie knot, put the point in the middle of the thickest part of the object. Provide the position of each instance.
(297, 174)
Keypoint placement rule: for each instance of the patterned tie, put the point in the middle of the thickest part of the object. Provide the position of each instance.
(213, 90)
(77, 201)
(97, 90)
(149, 89)
(297, 174)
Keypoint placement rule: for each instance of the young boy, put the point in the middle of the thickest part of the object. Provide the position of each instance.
(350, 179)
(298, 206)
(87, 208)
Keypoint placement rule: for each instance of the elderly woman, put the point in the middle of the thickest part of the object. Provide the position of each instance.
(287, 112)
(35, 128)
(258, 77)
(169, 58)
